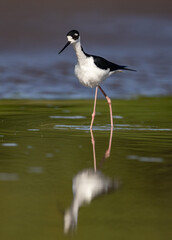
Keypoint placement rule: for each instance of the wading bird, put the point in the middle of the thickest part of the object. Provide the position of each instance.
(92, 70)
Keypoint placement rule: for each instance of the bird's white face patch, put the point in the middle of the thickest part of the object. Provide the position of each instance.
(70, 39)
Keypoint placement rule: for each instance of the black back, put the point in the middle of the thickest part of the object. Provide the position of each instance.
(105, 64)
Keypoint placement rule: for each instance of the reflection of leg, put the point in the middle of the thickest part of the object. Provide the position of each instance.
(110, 105)
(107, 154)
(94, 109)
(94, 152)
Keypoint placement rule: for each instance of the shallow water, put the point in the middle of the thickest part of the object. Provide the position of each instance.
(35, 71)
(41, 154)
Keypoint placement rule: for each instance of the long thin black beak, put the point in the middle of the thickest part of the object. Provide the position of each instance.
(67, 44)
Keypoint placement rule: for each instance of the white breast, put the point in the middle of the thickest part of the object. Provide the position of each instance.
(89, 74)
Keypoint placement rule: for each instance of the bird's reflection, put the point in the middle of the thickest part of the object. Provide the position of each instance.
(87, 185)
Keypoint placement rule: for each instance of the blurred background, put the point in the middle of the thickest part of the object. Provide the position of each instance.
(133, 33)
(44, 144)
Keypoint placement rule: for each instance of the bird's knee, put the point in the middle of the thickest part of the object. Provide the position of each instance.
(93, 114)
(108, 100)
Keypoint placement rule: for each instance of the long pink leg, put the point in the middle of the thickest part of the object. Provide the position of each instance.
(110, 105)
(94, 109)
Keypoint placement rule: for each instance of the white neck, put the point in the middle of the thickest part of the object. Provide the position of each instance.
(79, 53)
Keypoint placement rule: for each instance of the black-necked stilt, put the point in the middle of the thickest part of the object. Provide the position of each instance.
(91, 70)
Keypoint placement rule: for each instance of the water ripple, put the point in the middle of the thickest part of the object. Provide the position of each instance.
(9, 176)
(67, 117)
(108, 127)
(145, 159)
(9, 144)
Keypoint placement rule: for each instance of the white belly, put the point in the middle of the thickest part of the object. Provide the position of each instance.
(89, 74)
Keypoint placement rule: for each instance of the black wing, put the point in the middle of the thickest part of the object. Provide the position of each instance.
(105, 64)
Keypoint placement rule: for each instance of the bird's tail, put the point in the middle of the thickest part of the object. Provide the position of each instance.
(126, 68)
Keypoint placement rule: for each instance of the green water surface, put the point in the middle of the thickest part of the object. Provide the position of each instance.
(44, 144)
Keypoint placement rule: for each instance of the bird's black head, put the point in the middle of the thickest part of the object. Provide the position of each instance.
(72, 37)
(74, 34)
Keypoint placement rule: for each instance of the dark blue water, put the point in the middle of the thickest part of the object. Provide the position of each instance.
(31, 71)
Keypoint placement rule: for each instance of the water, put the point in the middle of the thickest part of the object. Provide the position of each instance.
(44, 144)
(35, 71)
(39, 160)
